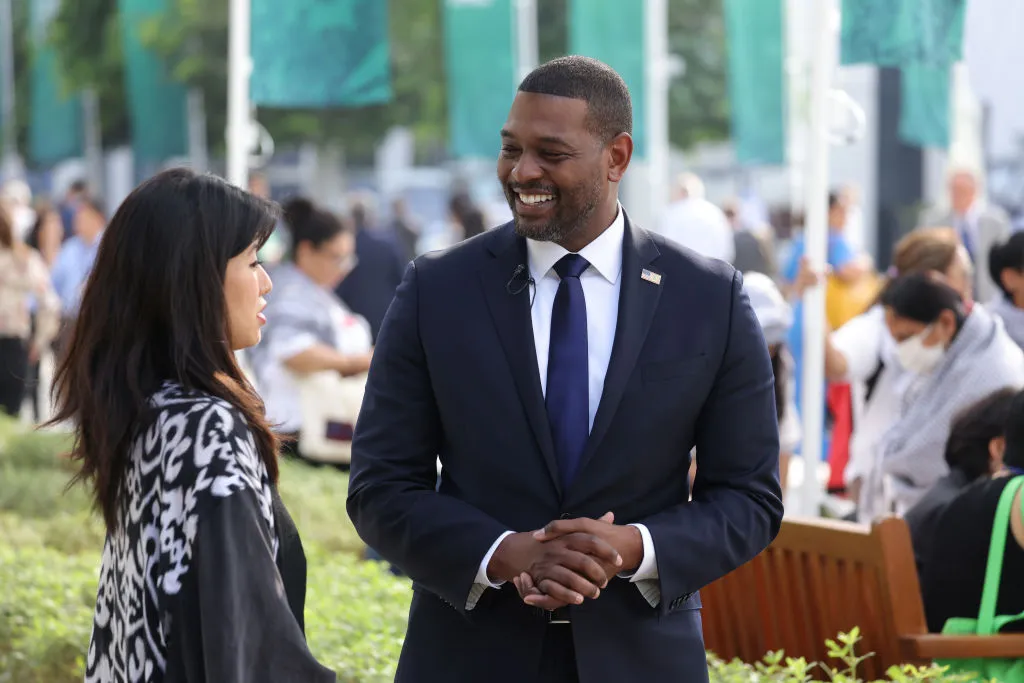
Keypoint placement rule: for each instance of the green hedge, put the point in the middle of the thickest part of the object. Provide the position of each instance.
(356, 611)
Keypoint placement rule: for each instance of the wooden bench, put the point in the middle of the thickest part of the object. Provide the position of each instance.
(820, 577)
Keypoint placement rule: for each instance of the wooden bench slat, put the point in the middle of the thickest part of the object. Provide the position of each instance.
(936, 646)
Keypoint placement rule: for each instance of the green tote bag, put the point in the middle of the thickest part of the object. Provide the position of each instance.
(987, 623)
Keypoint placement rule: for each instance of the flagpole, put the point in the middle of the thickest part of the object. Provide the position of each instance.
(9, 163)
(526, 37)
(657, 75)
(239, 71)
(816, 184)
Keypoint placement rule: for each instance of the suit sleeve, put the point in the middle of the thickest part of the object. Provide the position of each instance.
(736, 508)
(436, 539)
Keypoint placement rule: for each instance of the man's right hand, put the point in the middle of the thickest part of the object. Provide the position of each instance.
(570, 568)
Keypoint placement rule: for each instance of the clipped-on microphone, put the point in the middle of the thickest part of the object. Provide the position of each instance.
(520, 280)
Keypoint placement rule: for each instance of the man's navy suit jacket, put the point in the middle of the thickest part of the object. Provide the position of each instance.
(455, 375)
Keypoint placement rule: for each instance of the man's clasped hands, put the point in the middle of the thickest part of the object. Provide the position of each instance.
(566, 561)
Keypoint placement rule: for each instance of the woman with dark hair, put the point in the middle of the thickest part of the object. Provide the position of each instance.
(957, 354)
(974, 450)
(1006, 266)
(47, 234)
(954, 571)
(310, 330)
(24, 281)
(172, 440)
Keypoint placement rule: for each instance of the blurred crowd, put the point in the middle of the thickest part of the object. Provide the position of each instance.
(923, 361)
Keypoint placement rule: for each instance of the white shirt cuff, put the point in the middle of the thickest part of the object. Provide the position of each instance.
(482, 581)
(646, 575)
(648, 569)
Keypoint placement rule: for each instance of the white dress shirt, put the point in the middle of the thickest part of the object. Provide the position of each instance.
(601, 283)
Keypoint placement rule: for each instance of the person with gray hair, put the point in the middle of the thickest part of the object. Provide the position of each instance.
(695, 223)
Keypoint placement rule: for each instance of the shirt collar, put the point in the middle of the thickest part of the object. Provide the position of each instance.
(604, 254)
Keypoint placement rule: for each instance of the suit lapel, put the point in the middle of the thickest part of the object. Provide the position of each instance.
(511, 316)
(638, 299)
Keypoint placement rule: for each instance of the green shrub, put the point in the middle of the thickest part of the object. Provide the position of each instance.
(37, 449)
(46, 608)
(777, 668)
(356, 612)
(315, 497)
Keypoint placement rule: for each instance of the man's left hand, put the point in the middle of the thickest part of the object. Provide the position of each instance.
(625, 539)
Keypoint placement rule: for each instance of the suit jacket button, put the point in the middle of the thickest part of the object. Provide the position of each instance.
(565, 515)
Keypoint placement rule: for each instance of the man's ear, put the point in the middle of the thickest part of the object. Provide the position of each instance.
(620, 149)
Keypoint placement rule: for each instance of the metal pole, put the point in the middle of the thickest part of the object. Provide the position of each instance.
(816, 184)
(9, 164)
(526, 37)
(93, 141)
(656, 87)
(197, 150)
(239, 71)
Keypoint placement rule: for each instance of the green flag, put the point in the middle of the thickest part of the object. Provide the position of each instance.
(900, 32)
(757, 94)
(318, 54)
(613, 31)
(924, 105)
(157, 105)
(921, 37)
(55, 126)
(480, 66)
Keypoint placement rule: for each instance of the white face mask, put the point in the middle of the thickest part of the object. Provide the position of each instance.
(914, 356)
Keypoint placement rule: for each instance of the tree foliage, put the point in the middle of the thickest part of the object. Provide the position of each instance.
(85, 35)
(22, 71)
(193, 37)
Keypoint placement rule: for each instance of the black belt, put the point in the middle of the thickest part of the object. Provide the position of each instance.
(559, 616)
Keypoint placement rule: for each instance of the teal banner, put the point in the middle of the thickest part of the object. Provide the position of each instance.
(923, 38)
(55, 125)
(757, 93)
(157, 105)
(900, 32)
(480, 66)
(613, 31)
(925, 105)
(320, 53)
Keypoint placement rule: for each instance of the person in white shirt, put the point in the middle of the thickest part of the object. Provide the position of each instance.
(695, 223)
(863, 353)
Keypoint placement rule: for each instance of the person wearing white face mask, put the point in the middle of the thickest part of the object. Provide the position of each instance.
(960, 353)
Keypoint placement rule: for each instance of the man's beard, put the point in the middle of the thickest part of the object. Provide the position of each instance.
(569, 216)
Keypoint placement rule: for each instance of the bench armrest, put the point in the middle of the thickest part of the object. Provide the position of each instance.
(936, 646)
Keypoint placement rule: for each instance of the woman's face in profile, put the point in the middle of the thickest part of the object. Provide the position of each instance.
(245, 286)
(328, 264)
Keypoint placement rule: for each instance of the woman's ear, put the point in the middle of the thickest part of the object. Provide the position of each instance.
(996, 448)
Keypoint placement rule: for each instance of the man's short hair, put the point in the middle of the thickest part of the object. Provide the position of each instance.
(609, 107)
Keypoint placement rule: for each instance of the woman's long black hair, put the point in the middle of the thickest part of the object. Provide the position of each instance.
(153, 309)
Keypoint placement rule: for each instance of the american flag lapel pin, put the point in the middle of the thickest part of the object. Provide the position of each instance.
(650, 277)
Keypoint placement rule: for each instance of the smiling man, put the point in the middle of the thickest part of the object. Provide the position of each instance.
(562, 367)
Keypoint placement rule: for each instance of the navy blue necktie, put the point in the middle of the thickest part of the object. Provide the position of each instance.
(568, 388)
